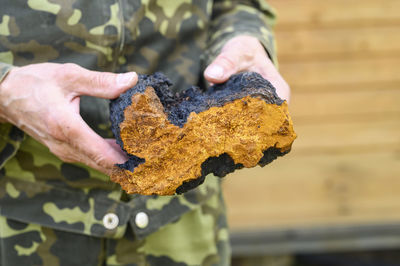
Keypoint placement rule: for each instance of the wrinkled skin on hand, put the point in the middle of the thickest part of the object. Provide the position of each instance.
(246, 53)
(43, 100)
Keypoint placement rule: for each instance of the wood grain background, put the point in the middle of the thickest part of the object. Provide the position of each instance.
(342, 60)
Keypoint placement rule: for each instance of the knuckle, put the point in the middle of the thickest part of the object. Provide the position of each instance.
(70, 67)
(227, 60)
(247, 55)
(99, 79)
(67, 71)
(101, 161)
(62, 153)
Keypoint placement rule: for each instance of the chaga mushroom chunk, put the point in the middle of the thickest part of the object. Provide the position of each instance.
(174, 141)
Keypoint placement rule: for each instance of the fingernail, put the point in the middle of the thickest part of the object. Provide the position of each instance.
(215, 71)
(126, 78)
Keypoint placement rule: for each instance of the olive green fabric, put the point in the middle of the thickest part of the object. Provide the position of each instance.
(178, 38)
(199, 237)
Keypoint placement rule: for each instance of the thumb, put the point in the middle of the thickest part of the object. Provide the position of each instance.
(104, 84)
(225, 65)
(234, 57)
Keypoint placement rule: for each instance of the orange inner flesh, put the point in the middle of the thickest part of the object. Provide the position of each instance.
(243, 129)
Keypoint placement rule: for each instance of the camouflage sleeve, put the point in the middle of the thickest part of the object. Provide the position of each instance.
(4, 68)
(10, 136)
(231, 18)
(10, 140)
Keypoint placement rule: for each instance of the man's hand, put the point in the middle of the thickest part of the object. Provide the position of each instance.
(245, 53)
(43, 100)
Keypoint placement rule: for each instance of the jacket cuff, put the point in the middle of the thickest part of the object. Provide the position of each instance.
(10, 136)
(4, 69)
(10, 141)
(241, 20)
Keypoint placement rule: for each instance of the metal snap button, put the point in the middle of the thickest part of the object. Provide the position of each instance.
(142, 220)
(110, 221)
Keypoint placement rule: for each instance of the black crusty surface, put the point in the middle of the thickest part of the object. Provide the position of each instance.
(179, 106)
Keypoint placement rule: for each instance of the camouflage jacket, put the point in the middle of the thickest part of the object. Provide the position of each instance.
(177, 37)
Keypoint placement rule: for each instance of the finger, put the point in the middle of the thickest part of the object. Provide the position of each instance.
(108, 85)
(113, 143)
(98, 152)
(234, 57)
(226, 64)
(268, 71)
(98, 84)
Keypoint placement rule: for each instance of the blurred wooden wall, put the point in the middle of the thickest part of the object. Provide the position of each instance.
(342, 60)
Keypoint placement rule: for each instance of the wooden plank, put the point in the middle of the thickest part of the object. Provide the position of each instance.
(347, 135)
(315, 239)
(344, 103)
(341, 59)
(338, 13)
(298, 191)
(342, 73)
(359, 86)
(347, 43)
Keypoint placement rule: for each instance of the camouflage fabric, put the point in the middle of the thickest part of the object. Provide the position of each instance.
(199, 237)
(43, 197)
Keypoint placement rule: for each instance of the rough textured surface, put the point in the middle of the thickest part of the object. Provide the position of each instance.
(174, 141)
